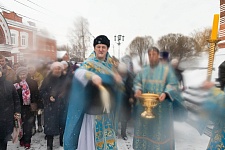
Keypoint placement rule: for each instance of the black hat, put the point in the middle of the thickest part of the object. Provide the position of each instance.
(164, 55)
(101, 39)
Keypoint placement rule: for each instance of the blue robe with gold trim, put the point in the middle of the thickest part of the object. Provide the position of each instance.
(156, 133)
(104, 124)
(215, 109)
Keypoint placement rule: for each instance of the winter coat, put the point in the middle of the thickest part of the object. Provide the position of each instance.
(9, 104)
(38, 77)
(9, 73)
(52, 86)
(128, 93)
(221, 75)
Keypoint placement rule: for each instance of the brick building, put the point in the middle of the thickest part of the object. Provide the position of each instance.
(222, 24)
(21, 41)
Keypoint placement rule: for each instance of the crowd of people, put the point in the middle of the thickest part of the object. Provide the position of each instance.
(84, 105)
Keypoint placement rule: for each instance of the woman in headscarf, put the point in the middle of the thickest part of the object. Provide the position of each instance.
(29, 94)
(51, 94)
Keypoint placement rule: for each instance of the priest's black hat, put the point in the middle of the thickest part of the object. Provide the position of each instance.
(101, 39)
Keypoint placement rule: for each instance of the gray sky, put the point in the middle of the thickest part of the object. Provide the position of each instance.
(130, 18)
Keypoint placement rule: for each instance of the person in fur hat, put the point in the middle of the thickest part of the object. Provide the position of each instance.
(27, 90)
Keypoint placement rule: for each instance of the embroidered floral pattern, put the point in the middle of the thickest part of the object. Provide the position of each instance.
(217, 141)
(105, 135)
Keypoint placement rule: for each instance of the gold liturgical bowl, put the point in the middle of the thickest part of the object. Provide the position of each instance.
(149, 101)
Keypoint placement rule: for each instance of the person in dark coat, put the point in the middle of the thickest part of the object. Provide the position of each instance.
(51, 94)
(174, 62)
(66, 78)
(29, 98)
(221, 75)
(9, 109)
(128, 98)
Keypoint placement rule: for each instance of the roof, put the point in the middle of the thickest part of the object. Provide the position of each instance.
(60, 54)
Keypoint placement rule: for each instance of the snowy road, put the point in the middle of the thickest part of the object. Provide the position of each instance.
(187, 138)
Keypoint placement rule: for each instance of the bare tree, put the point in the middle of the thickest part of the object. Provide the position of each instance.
(63, 48)
(80, 37)
(201, 38)
(140, 45)
(178, 45)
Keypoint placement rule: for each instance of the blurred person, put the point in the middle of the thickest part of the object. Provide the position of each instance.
(164, 56)
(27, 90)
(44, 69)
(214, 110)
(127, 98)
(90, 123)
(67, 69)
(67, 76)
(158, 78)
(51, 94)
(221, 75)
(127, 59)
(10, 109)
(7, 70)
(174, 62)
(16, 66)
(35, 75)
(74, 67)
(8, 63)
(115, 62)
(38, 77)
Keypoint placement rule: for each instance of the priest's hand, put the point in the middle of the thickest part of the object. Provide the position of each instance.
(131, 100)
(96, 80)
(162, 97)
(138, 93)
(117, 78)
(207, 85)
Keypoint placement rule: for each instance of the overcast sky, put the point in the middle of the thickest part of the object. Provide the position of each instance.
(130, 18)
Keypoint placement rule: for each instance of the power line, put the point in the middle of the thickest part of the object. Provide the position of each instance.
(36, 4)
(28, 6)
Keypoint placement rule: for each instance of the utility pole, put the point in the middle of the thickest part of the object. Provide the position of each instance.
(118, 39)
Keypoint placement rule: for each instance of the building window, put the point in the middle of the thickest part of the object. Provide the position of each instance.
(13, 39)
(23, 41)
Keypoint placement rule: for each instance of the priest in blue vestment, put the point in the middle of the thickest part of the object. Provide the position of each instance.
(158, 78)
(94, 94)
(214, 110)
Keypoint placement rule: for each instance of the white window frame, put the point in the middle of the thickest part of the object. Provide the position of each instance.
(15, 33)
(24, 39)
(13, 38)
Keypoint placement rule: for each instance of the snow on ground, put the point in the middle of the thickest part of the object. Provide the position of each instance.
(186, 138)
